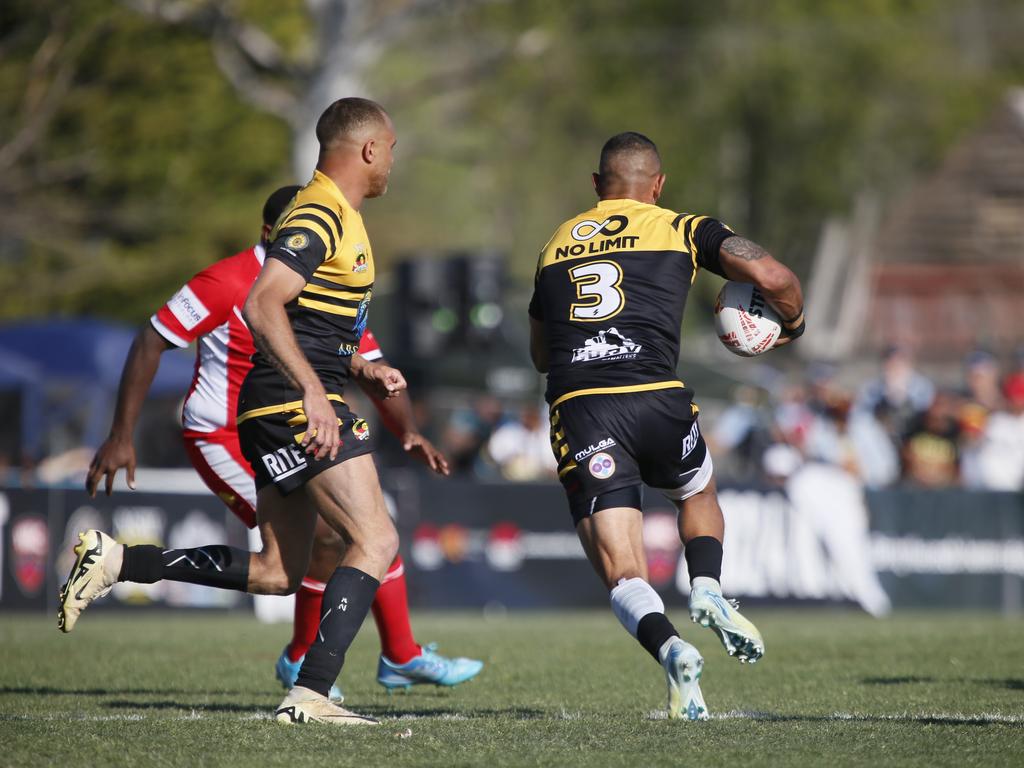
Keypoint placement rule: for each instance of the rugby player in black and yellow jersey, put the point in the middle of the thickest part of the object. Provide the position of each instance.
(605, 320)
(307, 311)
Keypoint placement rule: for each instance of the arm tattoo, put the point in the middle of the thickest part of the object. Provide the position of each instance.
(741, 248)
(263, 345)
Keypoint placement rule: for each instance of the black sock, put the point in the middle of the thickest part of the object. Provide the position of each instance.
(704, 557)
(652, 632)
(347, 600)
(213, 566)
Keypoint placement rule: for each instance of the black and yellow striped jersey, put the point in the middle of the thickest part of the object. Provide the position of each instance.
(610, 290)
(322, 238)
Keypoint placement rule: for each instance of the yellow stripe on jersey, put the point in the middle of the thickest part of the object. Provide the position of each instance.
(267, 410)
(317, 210)
(619, 390)
(305, 216)
(335, 293)
(329, 308)
(566, 469)
(687, 227)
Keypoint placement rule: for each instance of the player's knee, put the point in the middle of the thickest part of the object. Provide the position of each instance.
(382, 546)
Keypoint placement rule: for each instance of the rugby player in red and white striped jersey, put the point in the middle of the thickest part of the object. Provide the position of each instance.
(208, 310)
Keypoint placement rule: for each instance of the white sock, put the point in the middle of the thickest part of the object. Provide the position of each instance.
(632, 599)
(706, 582)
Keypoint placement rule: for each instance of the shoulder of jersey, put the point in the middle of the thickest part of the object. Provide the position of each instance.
(318, 210)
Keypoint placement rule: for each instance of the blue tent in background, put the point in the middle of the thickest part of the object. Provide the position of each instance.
(64, 364)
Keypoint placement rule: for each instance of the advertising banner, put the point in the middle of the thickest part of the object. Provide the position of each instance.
(500, 546)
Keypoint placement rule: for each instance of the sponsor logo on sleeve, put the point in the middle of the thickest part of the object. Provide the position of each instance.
(298, 241)
(187, 307)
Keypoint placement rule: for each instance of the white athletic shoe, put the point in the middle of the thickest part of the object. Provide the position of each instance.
(92, 576)
(302, 705)
(683, 667)
(737, 633)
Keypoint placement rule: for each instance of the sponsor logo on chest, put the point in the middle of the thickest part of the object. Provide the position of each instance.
(362, 261)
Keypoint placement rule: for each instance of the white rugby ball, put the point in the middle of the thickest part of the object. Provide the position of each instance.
(744, 322)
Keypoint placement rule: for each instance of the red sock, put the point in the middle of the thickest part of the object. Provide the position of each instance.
(307, 617)
(391, 612)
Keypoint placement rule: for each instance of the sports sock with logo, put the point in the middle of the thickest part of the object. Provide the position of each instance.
(346, 602)
(704, 557)
(641, 611)
(214, 566)
(308, 601)
(391, 612)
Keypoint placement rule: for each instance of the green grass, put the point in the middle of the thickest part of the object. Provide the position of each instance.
(836, 688)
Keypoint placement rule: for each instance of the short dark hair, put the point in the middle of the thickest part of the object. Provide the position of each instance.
(344, 117)
(276, 203)
(624, 143)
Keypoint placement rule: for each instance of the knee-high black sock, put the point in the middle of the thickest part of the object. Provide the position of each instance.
(213, 566)
(347, 600)
(652, 632)
(704, 557)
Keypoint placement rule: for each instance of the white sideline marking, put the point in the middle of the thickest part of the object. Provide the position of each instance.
(907, 717)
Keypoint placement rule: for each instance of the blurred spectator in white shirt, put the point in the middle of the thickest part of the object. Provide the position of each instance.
(1000, 454)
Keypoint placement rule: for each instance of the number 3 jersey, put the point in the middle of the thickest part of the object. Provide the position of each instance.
(610, 290)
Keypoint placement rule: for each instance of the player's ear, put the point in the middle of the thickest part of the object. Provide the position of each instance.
(265, 231)
(596, 177)
(659, 183)
(369, 151)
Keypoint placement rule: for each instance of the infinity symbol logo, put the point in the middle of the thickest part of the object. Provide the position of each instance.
(589, 229)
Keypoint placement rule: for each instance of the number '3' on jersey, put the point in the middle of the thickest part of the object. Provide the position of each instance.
(610, 289)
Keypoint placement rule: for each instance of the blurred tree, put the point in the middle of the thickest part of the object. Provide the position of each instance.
(136, 145)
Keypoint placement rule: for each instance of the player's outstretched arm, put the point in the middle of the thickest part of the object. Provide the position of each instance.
(396, 413)
(265, 315)
(118, 451)
(747, 262)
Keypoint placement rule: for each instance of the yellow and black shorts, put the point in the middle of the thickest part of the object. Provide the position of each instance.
(609, 445)
(271, 443)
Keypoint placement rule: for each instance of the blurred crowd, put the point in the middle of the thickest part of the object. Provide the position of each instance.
(897, 427)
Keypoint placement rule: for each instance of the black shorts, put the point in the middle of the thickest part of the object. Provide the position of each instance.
(270, 443)
(607, 446)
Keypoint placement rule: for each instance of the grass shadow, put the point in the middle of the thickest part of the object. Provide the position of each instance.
(46, 690)
(204, 707)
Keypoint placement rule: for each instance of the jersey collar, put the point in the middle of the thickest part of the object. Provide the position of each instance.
(259, 252)
(332, 189)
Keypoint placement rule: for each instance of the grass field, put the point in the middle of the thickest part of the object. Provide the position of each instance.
(836, 688)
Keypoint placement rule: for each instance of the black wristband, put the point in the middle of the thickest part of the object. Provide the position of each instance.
(796, 332)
